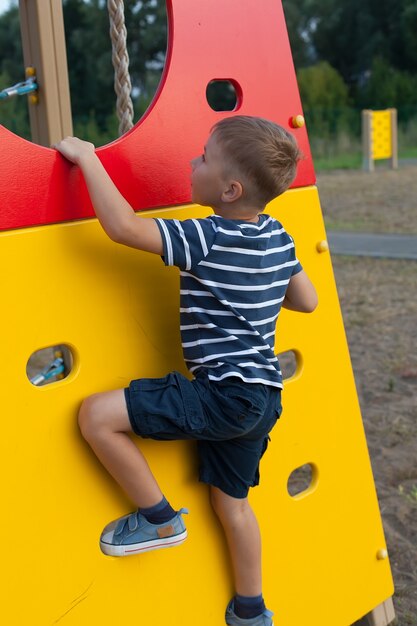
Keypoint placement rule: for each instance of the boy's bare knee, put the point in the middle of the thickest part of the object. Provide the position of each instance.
(225, 505)
(103, 414)
(90, 417)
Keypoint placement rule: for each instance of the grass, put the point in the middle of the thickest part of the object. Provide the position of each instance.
(410, 494)
(408, 153)
(338, 162)
(358, 225)
(353, 161)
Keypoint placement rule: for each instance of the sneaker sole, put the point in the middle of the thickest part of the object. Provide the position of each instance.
(232, 623)
(137, 548)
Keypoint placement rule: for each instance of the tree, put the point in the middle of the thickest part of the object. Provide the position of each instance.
(300, 22)
(388, 87)
(326, 101)
(350, 34)
(409, 30)
(322, 87)
(371, 43)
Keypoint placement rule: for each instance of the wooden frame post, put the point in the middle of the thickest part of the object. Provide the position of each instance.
(43, 41)
(382, 615)
(394, 139)
(367, 163)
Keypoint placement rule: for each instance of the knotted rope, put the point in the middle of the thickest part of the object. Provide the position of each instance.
(120, 59)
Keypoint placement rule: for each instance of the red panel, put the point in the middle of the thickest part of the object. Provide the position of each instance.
(245, 42)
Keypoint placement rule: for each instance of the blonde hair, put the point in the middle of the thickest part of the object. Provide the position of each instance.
(263, 152)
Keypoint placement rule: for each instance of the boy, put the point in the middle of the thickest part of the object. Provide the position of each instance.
(238, 267)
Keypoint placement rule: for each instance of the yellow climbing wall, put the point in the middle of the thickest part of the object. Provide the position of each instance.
(117, 309)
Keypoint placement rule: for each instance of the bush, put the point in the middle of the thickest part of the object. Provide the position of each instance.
(322, 87)
(333, 125)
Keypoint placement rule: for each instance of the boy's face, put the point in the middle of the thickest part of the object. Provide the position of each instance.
(208, 179)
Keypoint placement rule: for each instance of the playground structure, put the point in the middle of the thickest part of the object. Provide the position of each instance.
(379, 138)
(116, 311)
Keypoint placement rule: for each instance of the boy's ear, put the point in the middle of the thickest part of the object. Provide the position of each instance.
(233, 191)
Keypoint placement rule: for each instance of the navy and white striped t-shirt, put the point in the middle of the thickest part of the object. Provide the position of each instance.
(233, 280)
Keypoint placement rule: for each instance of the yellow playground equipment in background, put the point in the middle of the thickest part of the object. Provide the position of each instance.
(116, 311)
(379, 138)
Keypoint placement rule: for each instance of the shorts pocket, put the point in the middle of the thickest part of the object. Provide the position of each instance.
(246, 400)
(193, 409)
(164, 408)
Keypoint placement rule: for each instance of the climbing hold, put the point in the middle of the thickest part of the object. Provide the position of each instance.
(382, 554)
(297, 121)
(322, 246)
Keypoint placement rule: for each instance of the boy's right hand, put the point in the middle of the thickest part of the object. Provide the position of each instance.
(114, 212)
(74, 149)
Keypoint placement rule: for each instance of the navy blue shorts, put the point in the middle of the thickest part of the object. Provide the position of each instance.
(230, 420)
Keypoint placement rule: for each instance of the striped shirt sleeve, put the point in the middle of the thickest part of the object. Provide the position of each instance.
(185, 242)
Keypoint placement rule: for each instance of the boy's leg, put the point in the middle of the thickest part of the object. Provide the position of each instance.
(105, 424)
(244, 540)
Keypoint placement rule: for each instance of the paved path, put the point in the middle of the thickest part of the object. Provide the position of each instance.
(382, 246)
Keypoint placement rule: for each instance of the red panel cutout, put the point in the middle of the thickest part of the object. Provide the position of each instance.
(244, 42)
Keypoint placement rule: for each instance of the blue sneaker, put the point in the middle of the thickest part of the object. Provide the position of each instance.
(260, 620)
(133, 534)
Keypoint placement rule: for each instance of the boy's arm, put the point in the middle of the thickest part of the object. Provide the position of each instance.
(113, 212)
(301, 294)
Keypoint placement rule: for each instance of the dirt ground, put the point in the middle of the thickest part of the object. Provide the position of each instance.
(379, 304)
(382, 202)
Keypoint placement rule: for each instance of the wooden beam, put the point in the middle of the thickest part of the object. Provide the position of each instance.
(382, 615)
(43, 41)
(394, 139)
(367, 161)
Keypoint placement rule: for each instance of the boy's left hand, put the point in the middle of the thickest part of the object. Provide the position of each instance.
(75, 149)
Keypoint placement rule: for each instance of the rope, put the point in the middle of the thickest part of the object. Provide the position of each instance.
(120, 59)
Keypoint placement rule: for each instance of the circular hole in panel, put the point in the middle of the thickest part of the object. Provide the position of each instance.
(301, 479)
(289, 363)
(90, 69)
(223, 95)
(49, 365)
